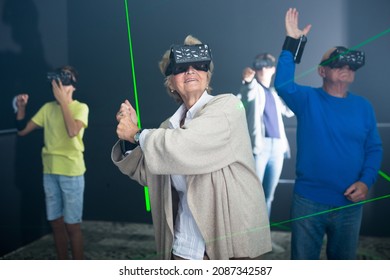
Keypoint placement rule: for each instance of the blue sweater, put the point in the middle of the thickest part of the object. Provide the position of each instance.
(338, 142)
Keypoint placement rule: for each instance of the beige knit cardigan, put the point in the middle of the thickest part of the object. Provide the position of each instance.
(224, 194)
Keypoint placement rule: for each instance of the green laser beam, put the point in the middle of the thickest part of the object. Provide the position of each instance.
(299, 218)
(384, 175)
(328, 61)
(132, 65)
(369, 40)
(281, 223)
(147, 200)
(330, 210)
(146, 191)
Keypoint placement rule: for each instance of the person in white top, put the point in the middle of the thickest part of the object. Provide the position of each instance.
(264, 113)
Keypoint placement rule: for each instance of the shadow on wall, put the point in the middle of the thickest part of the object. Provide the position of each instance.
(23, 69)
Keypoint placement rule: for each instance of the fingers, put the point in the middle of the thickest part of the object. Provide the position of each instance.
(248, 74)
(126, 110)
(356, 192)
(118, 116)
(306, 29)
(292, 28)
(292, 16)
(356, 197)
(54, 84)
(22, 99)
(58, 89)
(132, 110)
(291, 22)
(128, 104)
(22, 96)
(122, 130)
(126, 129)
(133, 113)
(349, 191)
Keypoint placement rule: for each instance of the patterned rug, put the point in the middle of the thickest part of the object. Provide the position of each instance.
(126, 241)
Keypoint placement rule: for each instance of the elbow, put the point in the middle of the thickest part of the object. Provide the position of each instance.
(73, 133)
(279, 83)
(74, 129)
(21, 133)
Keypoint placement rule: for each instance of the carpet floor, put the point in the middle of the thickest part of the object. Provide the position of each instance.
(126, 241)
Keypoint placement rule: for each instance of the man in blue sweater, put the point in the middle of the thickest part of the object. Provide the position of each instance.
(339, 150)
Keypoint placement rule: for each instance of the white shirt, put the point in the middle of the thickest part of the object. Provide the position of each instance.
(188, 242)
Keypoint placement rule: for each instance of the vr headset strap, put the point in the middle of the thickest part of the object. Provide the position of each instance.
(295, 46)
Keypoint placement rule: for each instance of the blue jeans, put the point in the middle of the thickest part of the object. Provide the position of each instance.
(308, 230)
(269, 164)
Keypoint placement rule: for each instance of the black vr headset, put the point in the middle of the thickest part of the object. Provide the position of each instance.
(342, 56)
(64, 76)
(184, 56)
(263, 61)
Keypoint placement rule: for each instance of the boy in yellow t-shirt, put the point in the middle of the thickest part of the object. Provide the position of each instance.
(64, 121)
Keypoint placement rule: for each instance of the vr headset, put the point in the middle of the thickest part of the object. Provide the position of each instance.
(342, 56)
(63, 76)
(263, 62)
(184, 56)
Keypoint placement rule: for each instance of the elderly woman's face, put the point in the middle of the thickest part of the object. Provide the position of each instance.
(189, 83)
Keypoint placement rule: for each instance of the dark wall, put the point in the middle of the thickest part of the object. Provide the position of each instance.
(33, 41)
(369, 28)
(23, 67)
(97, 45)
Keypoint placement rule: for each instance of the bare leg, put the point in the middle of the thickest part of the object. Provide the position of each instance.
(60, 238)
(76, 240)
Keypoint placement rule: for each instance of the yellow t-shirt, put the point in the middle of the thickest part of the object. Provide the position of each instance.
(61, 154)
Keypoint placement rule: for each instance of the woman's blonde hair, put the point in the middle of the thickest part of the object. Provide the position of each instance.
(163, 64)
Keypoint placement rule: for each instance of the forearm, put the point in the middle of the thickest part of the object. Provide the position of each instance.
(132, 165)
(294, 96)
(20, 121)
(73, 126)
(21, 113)
(28, 128)
(373, 160)
(284, 76)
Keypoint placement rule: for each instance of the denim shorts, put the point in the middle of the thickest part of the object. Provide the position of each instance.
(64, 197)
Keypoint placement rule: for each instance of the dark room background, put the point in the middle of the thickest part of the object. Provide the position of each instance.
(39, 35)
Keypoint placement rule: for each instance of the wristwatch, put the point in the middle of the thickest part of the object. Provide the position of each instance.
(136, 136)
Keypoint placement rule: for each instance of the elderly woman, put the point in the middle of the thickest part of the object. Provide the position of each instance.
(206, 200)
